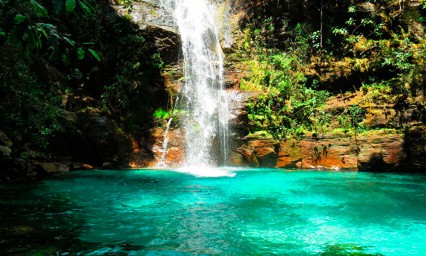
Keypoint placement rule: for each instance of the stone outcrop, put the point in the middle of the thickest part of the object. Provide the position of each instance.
(173, 154)
(156, 23)
(371, 151)
(157, 154)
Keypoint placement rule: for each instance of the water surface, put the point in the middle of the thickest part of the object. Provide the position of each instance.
(244, 212)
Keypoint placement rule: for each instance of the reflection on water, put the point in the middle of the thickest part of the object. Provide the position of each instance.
(255, 212)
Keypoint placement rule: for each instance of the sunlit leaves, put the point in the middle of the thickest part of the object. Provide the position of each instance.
(69, 41)
(95, 54)
(339, 31)
(87, 7)
(19, 18)
(70, 5)
(39, 9)
(80, 53)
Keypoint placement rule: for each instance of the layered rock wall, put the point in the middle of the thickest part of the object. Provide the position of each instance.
(371, 151)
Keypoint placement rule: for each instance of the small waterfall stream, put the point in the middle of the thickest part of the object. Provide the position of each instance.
(204, 100)
(165, 142)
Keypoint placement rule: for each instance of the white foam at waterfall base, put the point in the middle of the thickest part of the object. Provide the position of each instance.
(207, 171)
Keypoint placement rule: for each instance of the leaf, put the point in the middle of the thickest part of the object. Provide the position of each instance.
(39, 9)
(43, 31)
(85, 6)
(69, 41)
(70, 5)
(95, 54)
(80, 53)
(19, 18)
(50, 28)
(64, 58)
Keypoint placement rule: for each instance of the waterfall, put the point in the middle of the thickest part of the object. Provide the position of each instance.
(206, 118)
(165, 142)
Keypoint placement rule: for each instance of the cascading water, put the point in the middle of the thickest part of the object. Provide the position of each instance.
(204, 100)
(165, 142)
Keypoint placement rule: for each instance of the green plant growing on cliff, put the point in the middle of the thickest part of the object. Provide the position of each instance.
(163, 116)
(158, 61)
(350, 120)
(287, 107)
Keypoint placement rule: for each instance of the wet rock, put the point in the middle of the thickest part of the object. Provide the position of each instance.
(236, 159)
(172, 155)
(53, 168)
(248, 155)
(106, 165)
(289, 154)
(265, 152)
(175, 156)
(81, 166)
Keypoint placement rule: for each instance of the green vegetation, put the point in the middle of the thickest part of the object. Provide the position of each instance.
(65, 61)
(288, 106)
(371, 49)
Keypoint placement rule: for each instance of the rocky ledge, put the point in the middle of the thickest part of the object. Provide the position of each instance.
(384, 150)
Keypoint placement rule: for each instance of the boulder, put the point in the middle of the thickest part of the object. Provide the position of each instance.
(236, 159)
(264, 151)
(53, 168)
(248, 155)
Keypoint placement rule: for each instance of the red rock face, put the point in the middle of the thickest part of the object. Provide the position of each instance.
(381, 150)
(329, 153)
(384, 152)
(175, 151)
(248, 155)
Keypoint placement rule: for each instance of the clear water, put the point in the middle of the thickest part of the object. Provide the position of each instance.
(242, 212)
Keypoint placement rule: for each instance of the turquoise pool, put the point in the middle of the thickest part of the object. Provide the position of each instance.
(231, 212)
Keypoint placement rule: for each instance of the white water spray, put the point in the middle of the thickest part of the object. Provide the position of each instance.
(206, 121)
(165, 143)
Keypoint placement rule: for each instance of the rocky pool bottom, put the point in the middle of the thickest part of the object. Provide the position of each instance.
(232, 212)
